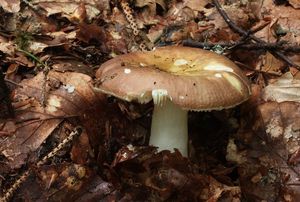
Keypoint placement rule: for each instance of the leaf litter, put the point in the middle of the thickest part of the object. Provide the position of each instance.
(248, 153)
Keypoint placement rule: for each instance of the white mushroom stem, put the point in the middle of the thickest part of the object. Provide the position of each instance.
(169, 128)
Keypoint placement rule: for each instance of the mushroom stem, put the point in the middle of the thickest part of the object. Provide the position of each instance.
(169, 128)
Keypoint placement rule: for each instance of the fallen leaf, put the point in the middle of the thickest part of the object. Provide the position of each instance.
(271, 143)
(196, 5)
(68, 95)
(89, 32)
(271, 64)
(69, 8)
(11, 6)
(221, 31)
(81, 151)
(151, 4)
(168, 176)
(285, 88)
(7, 47)
(295, 3)
(70, 64)
(66, 181)
(30, 130)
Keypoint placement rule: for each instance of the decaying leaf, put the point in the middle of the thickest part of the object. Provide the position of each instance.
(295, 3)
(25, 133)
(81, 151)
(271, 64)
(67, 95)
(12, 6)
(221, 31)
(196, 5)
(253, 156)
(6, 47)
(69, 8)
(151, 5)
(167, 176)
(285, 88)
(70, 64)
(271, 145)
(284, 24)
(64, 182)
(89, 33)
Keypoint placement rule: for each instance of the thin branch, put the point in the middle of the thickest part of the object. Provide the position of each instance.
(248, 34)
(235, 45)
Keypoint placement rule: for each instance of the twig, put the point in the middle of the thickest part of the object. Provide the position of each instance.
(257, 70)
(12, 82)
(9, 192)
(233, 45)
(242, 32)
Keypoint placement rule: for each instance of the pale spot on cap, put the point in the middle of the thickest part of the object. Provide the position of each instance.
(218, 75)
(127, 71)
(233, 81)
(180, 62)
(217, 67)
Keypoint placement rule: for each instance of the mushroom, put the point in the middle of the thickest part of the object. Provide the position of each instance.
(177, 79)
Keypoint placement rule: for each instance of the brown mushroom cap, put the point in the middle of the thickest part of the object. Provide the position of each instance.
(194, 79)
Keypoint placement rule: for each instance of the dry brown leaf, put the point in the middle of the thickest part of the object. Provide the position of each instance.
(96, 190)
(271, 143)
(295, 3)
(52, 39)
(271, 64)
(68, 94)
(69, 8)
(21, 59)
(285, 88)
(65, 180)
(71, 65)
(196, 5)
(151, 4)
(281, 123)
(218, 29)
(179, 13)
(31, 128)
(91, 33)
(285, 23)
(168, 176)
(7, 47)
(81, 150)
(149, 15)
(11, 6)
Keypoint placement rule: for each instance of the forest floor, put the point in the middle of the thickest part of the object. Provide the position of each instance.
(61, 141)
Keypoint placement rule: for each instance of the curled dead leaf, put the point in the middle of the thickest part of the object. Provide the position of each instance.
(11, 6)
(67, 95)
(285, 88)
(69, 8)
(295, 3)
